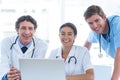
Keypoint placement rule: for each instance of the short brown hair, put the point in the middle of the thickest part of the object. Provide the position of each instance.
(27, 18)
(93, 9)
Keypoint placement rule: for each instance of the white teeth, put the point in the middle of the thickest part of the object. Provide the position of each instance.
(66, 40)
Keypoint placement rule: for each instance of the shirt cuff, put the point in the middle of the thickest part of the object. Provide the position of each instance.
(4, 77)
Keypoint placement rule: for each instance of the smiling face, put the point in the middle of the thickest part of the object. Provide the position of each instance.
(97, 23)
(25, 31)
(67, 36)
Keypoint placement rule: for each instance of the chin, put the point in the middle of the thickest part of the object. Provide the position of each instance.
(98, 32)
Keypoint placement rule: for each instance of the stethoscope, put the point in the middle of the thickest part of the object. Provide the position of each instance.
(71, 61)
(16, 41)
(14, 44)
(100, 55)
(70, 58)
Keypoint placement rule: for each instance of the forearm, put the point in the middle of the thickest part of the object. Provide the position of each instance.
(80, 77)
(116, 70)
(88, 45)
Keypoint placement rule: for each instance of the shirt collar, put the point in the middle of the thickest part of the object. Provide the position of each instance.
(21, 45)
(71, 53)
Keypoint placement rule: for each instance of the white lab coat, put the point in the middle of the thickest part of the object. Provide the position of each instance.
(83, 60)
(16, 53)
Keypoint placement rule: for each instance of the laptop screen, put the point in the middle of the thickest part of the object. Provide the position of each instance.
(42, 69)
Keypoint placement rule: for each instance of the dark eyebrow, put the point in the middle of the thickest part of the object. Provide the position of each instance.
(70, 32)
(65, 32)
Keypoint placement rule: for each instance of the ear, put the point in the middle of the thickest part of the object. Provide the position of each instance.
(35, 30)
(75, 36)
(104, 17)
(17, 30)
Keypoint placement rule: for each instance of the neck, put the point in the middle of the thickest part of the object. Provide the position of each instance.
(106, 29)
(23, 42)
(65, 52)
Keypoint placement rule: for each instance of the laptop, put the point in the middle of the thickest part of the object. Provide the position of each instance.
(42, 69)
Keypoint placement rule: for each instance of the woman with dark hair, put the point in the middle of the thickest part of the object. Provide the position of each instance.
(77, 59)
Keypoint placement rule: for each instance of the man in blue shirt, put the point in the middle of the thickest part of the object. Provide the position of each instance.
(105, 31)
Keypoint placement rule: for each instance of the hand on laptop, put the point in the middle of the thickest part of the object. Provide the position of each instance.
(13, 74)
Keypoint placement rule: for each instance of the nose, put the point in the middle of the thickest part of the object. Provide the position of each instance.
(27, 31)
(94, 25)
(66, 36)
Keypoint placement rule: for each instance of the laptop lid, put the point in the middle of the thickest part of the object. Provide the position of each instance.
(42, 69)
